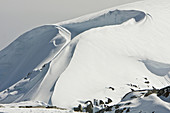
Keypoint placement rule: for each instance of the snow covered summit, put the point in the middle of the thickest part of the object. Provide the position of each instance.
(64, 64)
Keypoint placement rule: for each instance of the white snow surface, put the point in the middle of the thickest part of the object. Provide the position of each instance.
(148, 104)
(76, 60)
(32, 110)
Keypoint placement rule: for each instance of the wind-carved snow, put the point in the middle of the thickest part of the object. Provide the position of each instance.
(73, 61)
(24, 86)
(62, 43)
(40, 33)
(25, 54)
(115, 17)
(158, 68)
(64, 36)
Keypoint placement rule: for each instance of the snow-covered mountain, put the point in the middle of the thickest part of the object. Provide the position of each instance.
(105, 54)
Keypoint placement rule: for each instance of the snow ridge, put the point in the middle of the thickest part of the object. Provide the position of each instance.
(68, 60)
(62, 45)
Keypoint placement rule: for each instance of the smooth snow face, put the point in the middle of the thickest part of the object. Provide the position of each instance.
(157, 68)
(149, 104)
(51, 11)
(33, 110)
(70, 62)
(24, 54)
(61, 39)
(111, 56)
(34, 47)
(115, 17)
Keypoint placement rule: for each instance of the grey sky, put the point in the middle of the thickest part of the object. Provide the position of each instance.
(18, 16)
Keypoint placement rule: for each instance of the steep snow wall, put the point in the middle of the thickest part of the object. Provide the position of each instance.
(56, 47)
(117, 48)
(35, 47)
(112, 55)
(115, 17)
(25, 54)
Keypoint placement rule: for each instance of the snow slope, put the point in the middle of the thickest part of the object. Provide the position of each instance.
(32, 110)
(77, 60)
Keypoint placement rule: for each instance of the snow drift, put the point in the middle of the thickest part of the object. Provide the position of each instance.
(77, 60)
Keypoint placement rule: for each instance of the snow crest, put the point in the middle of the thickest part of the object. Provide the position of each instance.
(69, 62)
(50, 42)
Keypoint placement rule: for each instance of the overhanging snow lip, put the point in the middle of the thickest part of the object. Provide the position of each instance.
(115, 17)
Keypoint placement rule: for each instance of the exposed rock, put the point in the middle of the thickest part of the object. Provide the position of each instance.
(108, 101)
(128, 110)
(89, 108)
(147, 82)
(164, 91)
(145, 78)
(96, 102)
(78, 109)
(111, 88)
(101, 102)
(120, 110)
(132, 89)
